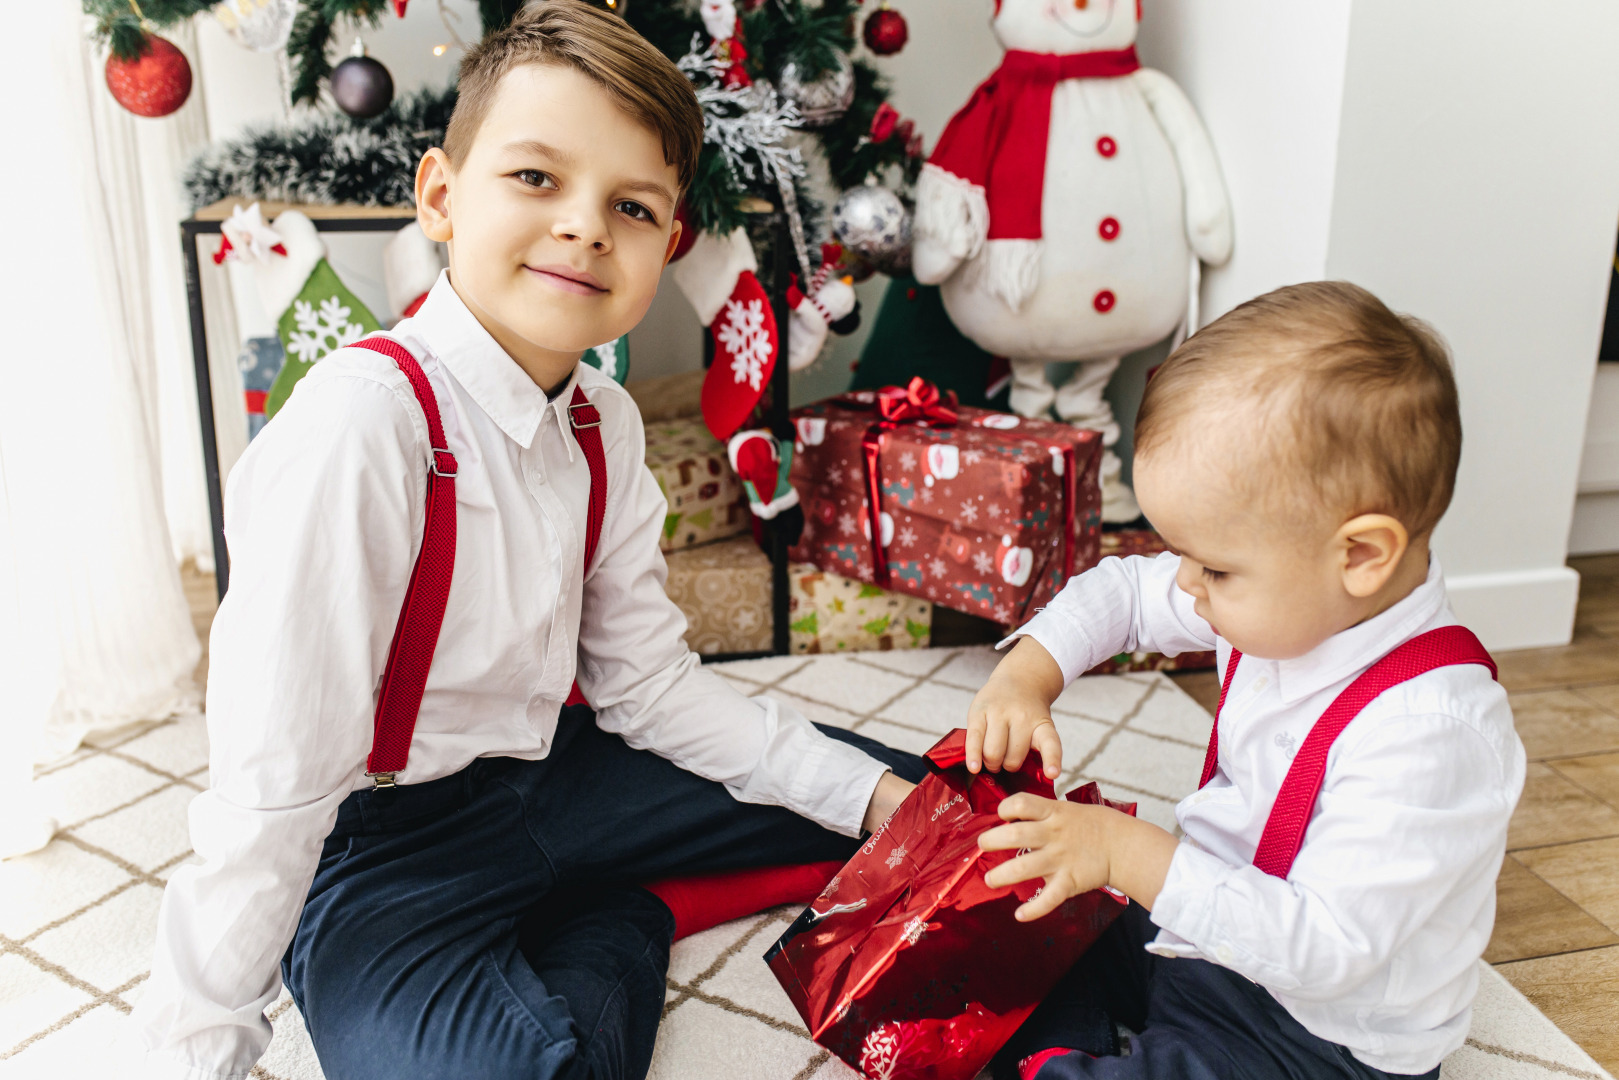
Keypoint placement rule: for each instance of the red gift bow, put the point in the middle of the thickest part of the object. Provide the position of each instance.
(918, 403)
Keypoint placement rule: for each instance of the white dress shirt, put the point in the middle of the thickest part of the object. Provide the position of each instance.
(324, 516)
(1372, 941)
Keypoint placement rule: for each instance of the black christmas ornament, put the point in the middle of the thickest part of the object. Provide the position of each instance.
(361, 86)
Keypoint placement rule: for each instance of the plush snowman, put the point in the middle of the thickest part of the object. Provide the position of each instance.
(1066, 209)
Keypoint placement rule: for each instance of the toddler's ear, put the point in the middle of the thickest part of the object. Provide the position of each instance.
(1372, 547)
(674, 241)
(433, 195)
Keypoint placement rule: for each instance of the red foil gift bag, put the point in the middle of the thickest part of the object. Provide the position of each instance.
(909, 967)
(979, 511)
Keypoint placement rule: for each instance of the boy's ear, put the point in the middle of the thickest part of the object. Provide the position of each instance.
(433, 195)
(1372, 546)
(674, 241)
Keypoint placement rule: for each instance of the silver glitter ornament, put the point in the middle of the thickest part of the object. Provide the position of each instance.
(873, 223)
(260, 25)
(821, 100)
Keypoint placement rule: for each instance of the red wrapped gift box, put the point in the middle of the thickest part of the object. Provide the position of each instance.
(909, 967)
(973, 503)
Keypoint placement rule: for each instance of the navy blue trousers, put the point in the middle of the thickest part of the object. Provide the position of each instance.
(1195, 1021)
(489, 924)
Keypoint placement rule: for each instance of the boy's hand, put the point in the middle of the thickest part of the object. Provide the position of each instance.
(1076, 848)
(1013, 712)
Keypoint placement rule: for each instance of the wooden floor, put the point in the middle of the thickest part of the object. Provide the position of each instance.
(1557, 900)
(1557, 916)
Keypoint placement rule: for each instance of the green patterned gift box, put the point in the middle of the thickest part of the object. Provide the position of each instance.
(706, 501)
(832, 613)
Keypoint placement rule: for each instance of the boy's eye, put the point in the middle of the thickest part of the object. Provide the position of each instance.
(1213, 575)
(534, 178)
(636, 211)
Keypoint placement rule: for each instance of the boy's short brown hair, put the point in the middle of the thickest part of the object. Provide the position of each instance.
(1354, 403)
(573, 33)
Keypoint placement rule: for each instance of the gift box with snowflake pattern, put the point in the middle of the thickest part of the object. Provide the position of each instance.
(832, 613)
(972, 514)
(724, 590)
(706, 501)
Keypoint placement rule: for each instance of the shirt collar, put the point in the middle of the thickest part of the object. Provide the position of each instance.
(1349, 652)
(487, 372)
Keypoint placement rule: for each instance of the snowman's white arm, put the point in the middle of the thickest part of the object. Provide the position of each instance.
(1208, 206)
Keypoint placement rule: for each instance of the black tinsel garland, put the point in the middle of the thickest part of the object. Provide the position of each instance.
(327, 160)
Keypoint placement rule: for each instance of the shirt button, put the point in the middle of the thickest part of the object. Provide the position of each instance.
(1106, 146)
(1224, 955)
(1109, 228)
(1104, 301)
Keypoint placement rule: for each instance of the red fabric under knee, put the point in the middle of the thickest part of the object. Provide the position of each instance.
(706, 900)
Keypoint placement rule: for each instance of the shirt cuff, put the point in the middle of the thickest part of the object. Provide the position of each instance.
(1184, 908)
(1063, 637)
(846, 777)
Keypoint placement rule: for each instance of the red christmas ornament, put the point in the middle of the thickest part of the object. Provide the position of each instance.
(399, 7)
(886, 31)
(155, 83)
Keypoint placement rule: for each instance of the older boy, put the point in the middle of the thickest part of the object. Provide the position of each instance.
(1298, 453)
(475, 913)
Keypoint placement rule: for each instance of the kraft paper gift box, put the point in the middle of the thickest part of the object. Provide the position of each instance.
(832, 613)
(706, 501)
(1146, 542)
(724, 590)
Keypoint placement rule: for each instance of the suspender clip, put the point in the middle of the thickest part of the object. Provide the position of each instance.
(382, 780)
(443, 463)
(592, 418)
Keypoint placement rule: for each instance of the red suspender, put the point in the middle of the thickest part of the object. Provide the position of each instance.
(416, 635)
(410, 656)
(1290, 814)
(1211, 760)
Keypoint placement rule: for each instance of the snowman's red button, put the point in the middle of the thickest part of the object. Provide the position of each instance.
(1104, 301)
(1106, 146)
(1109, 228)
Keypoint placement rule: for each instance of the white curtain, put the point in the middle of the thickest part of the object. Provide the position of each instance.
(94, 627)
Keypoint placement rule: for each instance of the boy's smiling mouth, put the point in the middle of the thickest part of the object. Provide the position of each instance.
(568, 279)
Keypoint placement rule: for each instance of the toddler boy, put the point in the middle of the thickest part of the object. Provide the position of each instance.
(475, 912)
(1297, 453)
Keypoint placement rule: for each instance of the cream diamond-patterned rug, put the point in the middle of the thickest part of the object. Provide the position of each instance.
(77, 920)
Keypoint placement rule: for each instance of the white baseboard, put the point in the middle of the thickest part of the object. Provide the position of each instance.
(1518, 609)
(1596, 524)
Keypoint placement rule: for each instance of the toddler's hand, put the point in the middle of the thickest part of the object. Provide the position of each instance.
(1066, 843)
(1004, 721)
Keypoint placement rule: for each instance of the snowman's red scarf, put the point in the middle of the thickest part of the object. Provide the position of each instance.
(998, 139)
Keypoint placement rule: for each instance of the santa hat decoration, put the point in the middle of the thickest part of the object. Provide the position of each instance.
(719, 277)
(411, 264)
(763, 463)
(315, 312)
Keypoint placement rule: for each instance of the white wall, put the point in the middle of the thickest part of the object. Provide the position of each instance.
(1477, 187)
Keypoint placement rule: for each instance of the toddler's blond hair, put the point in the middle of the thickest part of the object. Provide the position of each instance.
(1350, 404)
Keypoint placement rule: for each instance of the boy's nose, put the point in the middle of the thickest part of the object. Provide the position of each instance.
(585, 227)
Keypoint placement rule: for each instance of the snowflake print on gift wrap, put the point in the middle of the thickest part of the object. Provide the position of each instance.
(323, 331)
(969, 512)
(937, 568)
(982, 562)
(846, 524)
(834, 474)
(907, 537)
(896, 856)
(926, 494)
(1001, 614)
(907, 461)
(744, 336)
(972, 457)
(994, 511)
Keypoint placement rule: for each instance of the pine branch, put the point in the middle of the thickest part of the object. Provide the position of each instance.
(120, 30)
(312, 30)
(495, 14)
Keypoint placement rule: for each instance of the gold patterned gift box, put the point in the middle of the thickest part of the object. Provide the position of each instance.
(832, 613)
(724, 589)
(706, 501)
